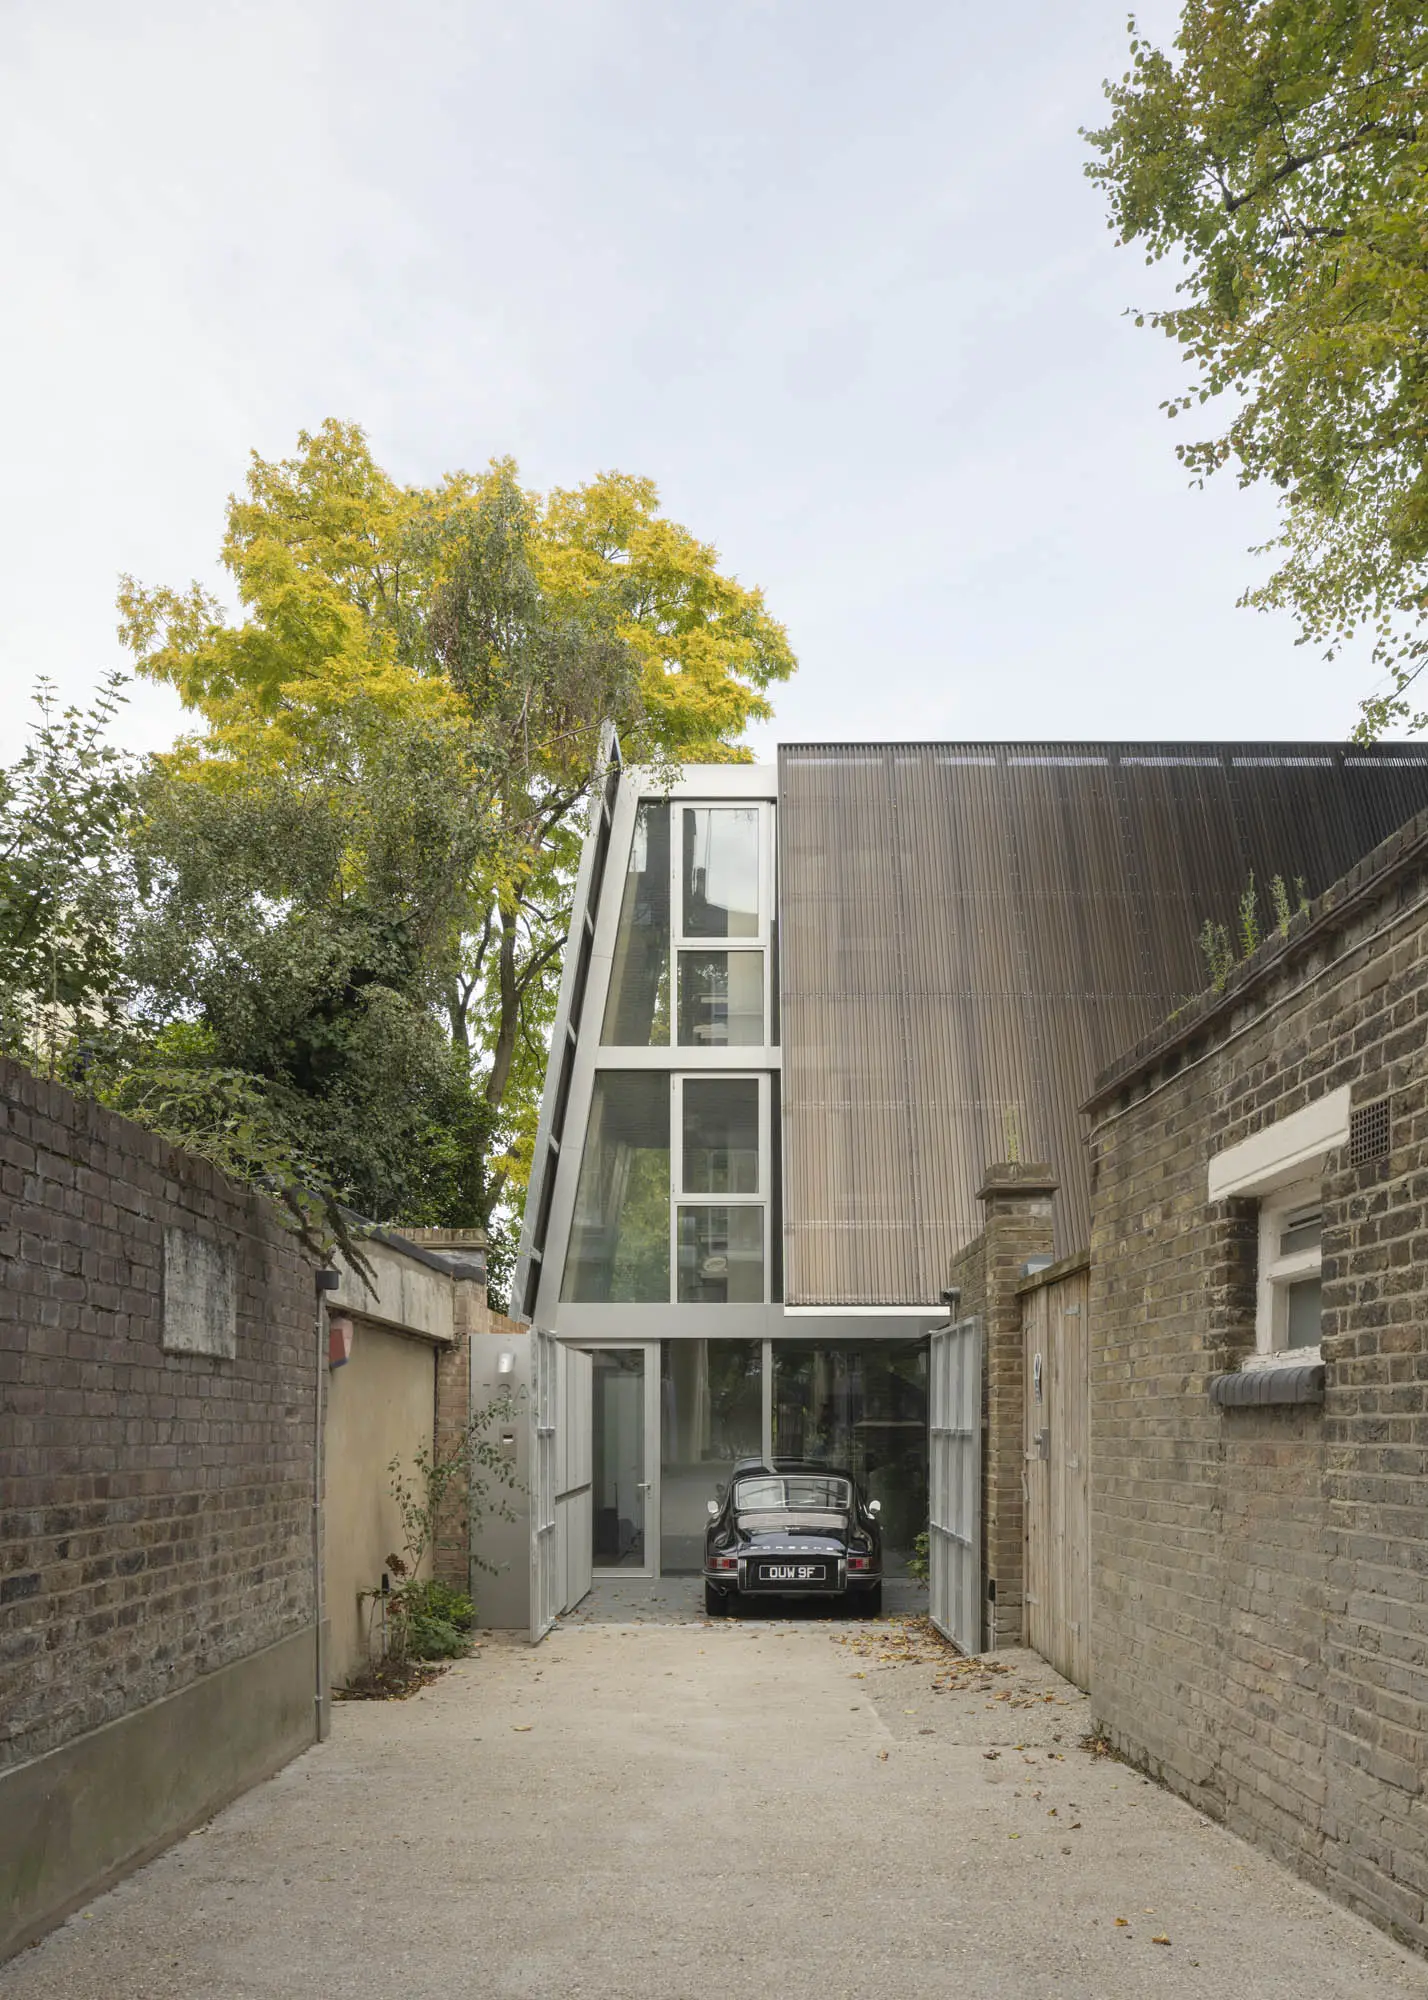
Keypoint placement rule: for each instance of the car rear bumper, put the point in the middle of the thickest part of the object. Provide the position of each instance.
(843, 1582)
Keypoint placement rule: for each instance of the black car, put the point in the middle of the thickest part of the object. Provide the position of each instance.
(789, 1528)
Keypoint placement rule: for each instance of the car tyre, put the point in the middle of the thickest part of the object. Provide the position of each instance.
(716, 1602)
(870, 1604)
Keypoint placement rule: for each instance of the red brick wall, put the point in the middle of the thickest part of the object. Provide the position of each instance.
(155, 1514)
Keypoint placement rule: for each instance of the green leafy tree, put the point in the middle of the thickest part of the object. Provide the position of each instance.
(524, 621)
(294, 933)
(1280, 149)
(65, 806)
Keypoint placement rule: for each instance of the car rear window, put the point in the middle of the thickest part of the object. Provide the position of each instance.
(799, 1493)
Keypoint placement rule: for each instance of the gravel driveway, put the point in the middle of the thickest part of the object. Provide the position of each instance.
(683, 1808)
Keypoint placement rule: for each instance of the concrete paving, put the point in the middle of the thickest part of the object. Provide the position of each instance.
(679, 1600)
(678, 1808)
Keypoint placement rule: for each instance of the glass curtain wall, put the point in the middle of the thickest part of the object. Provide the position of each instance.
(861, 1405)
(637, 1010)
(619, 1235)
(711, 1412)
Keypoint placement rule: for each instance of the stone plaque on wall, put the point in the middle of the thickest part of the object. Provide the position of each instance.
(200, 1296)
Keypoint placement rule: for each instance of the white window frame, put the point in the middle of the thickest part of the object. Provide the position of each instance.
(679, 1199)
(1282, 1167)
(1277, 1273)
(760, 940)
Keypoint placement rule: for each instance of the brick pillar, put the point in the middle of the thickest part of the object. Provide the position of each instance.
(463, 1251)
(1016, 1200)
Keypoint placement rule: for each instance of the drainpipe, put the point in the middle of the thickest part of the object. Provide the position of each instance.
(327, 1281)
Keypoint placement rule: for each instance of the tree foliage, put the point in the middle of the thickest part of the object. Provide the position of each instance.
(480, 635)
(65, 806)
(294, 928)
(1280, 147)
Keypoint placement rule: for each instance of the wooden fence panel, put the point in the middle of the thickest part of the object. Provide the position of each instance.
(1056, 1339)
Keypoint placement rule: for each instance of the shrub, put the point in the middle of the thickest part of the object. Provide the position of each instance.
(434, 1619)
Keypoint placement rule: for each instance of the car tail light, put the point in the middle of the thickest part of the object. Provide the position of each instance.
(860, 1562)
(724, 1562)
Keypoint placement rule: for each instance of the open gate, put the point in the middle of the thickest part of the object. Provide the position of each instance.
(954, 1536)
(573, 1475)
(559, 1479)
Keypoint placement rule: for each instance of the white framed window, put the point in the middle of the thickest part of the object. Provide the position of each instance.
(691, 963)
(1282, 1167)
(719, 1188)
(1289, 1292)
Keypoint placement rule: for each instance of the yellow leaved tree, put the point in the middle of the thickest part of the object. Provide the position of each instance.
(498, 629)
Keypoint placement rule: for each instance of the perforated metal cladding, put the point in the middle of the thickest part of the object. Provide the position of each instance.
(970, 932)
(1369, 1132)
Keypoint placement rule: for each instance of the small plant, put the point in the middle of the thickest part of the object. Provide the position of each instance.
(1218, 950)
(1217, 946)
(438, 1619)
(1249, 920)
(426, 1618)
(917, 1562)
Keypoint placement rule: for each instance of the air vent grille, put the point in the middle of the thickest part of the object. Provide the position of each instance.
(1369, 1132)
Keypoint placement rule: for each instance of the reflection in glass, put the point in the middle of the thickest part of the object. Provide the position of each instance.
(860, 1406)
(721, 1255)
(1305, 1317)
(711, 1412)
(1304, 1231)
(617, 1467)
(721, 999)
(721, 871)
(721, 1135)
(637, 1009)
(619, 1236)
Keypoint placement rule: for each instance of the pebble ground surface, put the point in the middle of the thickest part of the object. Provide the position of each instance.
(655, 1804)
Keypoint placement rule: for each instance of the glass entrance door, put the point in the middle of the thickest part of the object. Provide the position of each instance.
(624, 1418)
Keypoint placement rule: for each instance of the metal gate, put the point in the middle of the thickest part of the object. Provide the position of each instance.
(559, 1479)
(954, 1553)
(547, 1584)
(572, 1475)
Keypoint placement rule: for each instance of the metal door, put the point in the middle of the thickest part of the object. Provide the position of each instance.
(954, 1554)
(624, 1458)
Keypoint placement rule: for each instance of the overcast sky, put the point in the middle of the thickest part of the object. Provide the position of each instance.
(829, 273)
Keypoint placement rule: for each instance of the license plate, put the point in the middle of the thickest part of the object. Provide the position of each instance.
(791, 1572)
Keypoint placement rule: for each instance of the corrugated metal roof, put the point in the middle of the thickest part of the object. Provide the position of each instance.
(969, 932)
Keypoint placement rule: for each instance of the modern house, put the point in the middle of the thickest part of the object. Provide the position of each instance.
(803, 1007)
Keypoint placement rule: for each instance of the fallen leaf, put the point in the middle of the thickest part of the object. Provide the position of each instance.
(1122, 1923)
(522, 1728)
(882, 1756)
(1161, 1939)
(991, 1755)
